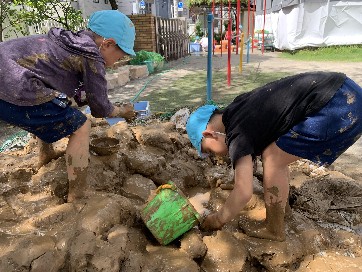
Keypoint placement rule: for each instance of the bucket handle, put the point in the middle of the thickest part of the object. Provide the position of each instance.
(165, 186)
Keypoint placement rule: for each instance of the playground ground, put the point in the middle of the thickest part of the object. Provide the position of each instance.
(40, 232)
(267, 62)
(258, 62)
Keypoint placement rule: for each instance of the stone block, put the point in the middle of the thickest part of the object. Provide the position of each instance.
(123, 77)
(112, 80)
(138, 71)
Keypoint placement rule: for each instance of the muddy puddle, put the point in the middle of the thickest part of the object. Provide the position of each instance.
(39, 231)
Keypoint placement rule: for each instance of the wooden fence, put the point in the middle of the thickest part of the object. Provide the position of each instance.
(172, 40)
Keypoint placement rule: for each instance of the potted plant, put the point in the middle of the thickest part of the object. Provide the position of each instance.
(153, 60)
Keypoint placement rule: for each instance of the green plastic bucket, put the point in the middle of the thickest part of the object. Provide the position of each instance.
(169, 214)
(150, 66)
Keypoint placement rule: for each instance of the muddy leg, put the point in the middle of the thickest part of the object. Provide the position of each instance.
(276, 190)
(288, 211)
(47, 153)
(77, 155)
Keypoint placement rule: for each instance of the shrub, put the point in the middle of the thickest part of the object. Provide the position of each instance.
(143, 55)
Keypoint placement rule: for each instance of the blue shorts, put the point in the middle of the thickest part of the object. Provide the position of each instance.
(48, 121)
(325, 135)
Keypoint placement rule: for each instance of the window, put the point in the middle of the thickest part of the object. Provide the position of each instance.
(95, 1)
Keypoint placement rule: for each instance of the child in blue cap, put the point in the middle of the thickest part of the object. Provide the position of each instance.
(315, 116)
(38, 75)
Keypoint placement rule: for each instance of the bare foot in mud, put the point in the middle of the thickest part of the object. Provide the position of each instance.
(77, 196)
(263, 233)
(259, 230)
(83, 196)
(44, 159)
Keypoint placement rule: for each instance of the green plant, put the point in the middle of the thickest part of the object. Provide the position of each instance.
(198, 31)
(143, 55)
(60, 12)
(217, 37)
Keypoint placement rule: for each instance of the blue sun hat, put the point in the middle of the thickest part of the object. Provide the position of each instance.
(116, 25)
(197, 123)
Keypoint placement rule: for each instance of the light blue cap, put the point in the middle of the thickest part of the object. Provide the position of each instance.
(197, 123)
(116, 25)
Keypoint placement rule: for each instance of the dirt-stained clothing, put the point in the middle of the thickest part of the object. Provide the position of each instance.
(36, 69)
(256, 119)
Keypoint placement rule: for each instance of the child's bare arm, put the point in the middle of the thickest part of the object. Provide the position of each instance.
(239, 196)
(242, 192)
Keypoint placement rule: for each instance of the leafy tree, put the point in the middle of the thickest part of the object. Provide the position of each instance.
(10, 23)
(198, 30)
(62, 13)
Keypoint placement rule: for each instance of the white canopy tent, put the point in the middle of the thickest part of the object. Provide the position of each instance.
(301, 23)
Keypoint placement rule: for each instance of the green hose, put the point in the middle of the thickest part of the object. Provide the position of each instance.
(156, 76)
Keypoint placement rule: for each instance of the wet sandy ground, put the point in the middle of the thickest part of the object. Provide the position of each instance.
(39, 232)
(267, 62)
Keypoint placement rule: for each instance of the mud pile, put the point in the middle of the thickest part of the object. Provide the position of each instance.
(39, 231)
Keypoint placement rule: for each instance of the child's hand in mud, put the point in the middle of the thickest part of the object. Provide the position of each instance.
(126, 111)
(212, 222)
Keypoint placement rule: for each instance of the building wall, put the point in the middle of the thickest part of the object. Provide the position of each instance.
(145, 32)
(89, 6)
(160, 8)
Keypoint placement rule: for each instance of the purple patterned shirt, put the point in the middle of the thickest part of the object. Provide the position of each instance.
(35, 69)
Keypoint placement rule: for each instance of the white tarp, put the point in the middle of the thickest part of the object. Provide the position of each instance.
(314, 23)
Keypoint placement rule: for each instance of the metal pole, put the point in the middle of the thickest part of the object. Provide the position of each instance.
(229, 46)
(237, 26)
(262, 49)
(241, 52)
(248, 50)
(221, 39)
(213, 13)
(210, 19)
(253, 20)
(248, 18)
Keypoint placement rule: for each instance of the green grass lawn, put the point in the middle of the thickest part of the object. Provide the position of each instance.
(350, 53)
(190, 90)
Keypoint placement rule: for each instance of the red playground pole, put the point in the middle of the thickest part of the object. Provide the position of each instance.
(248, 19)
(229, 45)
(237, 26)
(253, 19)
(212, 31)
(221, 29)
(264, 26)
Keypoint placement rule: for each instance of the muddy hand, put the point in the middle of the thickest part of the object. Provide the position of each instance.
(127, 111)
(211, 222)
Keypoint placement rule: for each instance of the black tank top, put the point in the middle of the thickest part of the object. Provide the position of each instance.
(257, 118)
